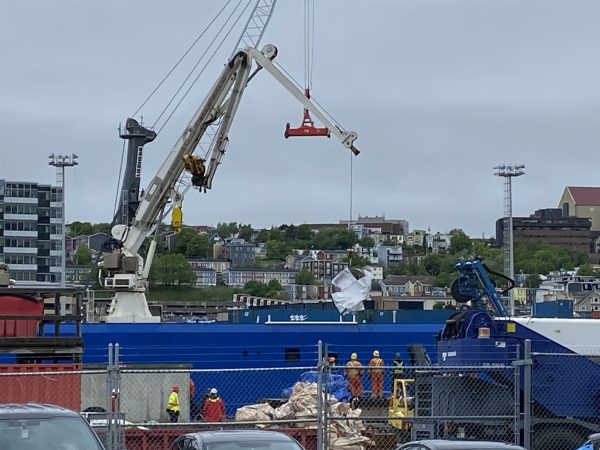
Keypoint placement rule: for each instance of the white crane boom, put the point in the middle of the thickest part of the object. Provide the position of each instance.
(123, 269)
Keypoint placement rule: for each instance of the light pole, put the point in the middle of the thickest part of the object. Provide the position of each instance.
(508, 171)
(60, 162)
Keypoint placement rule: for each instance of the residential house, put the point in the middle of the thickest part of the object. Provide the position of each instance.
(377, 272)
(301, 292)
(437, 242)
(588, 305)
(401, 285)
(416, 237)
(239, 252)
(294, 262)
(241, 276)
(324, 265)
(388, 256)
(218, 265)
(205, 277)
(92, 241)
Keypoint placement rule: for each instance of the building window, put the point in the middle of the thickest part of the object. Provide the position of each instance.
(565, 209)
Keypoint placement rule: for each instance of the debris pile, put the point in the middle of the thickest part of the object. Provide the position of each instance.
(344, 434)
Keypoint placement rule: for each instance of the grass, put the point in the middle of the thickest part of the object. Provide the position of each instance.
(188, 294)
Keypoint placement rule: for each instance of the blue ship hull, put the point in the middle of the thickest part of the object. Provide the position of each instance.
(292, 347)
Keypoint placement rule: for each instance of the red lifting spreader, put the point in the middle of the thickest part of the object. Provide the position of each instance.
(308, 126)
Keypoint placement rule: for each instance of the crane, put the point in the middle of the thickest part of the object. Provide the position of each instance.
(122, 268)
(137, 135)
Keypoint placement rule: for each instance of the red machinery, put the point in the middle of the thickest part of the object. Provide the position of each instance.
(307, 128)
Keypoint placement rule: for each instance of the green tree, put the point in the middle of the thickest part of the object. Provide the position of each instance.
(80, 228)
(444, 279)
(226, 230)
(460, 242)
(263, 236)
(83, 255)
(305, 277)
(439, 305)
(586, 270)
(272, 289)
(356, 260)
(367, 242)
(277, 249)
(102, 228)
(274, 286)
(533, 280)
(171, 270)
(197, 247)
(246, 232)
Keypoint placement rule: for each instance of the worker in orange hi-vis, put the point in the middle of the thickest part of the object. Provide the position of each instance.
(353, 373)
(376, 375)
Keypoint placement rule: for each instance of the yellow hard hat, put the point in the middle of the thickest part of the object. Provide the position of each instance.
(376, 353)
(353, 356)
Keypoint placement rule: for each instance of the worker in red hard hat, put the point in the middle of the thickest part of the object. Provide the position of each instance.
(173, 408)
(214, 407)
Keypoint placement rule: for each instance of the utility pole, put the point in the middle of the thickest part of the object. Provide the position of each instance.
(508, 171)
(60, 162)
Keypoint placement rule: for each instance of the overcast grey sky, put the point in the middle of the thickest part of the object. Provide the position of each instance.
(439, 92)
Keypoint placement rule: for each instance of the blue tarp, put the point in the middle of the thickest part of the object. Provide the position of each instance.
(333, 384)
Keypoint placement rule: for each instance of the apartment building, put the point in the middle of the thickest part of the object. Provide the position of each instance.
(239, 277)
(31, 230)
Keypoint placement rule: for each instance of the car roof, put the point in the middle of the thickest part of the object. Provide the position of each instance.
(227, 435)
(441, 444)
(33, 411)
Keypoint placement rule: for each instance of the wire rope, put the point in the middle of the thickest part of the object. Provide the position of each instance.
(205, 65)
(312, 50)
(182, 58)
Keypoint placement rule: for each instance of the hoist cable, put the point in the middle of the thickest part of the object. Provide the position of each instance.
(321, 107)
(205, 65)
(183, 83)
(181, 59)
(312, 48)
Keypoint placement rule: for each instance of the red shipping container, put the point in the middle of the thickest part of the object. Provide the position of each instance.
(41, 385)
(16, 305)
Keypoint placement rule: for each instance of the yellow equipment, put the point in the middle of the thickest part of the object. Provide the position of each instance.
(176, 219)
(402, 403)
(195, 165)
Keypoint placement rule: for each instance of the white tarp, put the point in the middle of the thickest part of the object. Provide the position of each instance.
(351, 291)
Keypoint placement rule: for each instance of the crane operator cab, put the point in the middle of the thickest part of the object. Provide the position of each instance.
(195, 166)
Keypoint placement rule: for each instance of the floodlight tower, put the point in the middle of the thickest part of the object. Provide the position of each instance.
(60, 162)
(508, 171)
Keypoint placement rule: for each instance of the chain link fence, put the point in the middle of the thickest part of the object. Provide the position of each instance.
(542, 401)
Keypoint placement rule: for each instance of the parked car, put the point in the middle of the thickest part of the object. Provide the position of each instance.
(34, 426)
(593, 442)
(236, 440)
(441, 444)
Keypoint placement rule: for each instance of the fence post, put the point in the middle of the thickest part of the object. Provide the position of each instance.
(517, 393)
(113, 416)
(528, 363)
(320, 367)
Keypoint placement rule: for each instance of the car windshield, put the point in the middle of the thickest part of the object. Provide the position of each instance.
(54, 433)
(249, 445)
